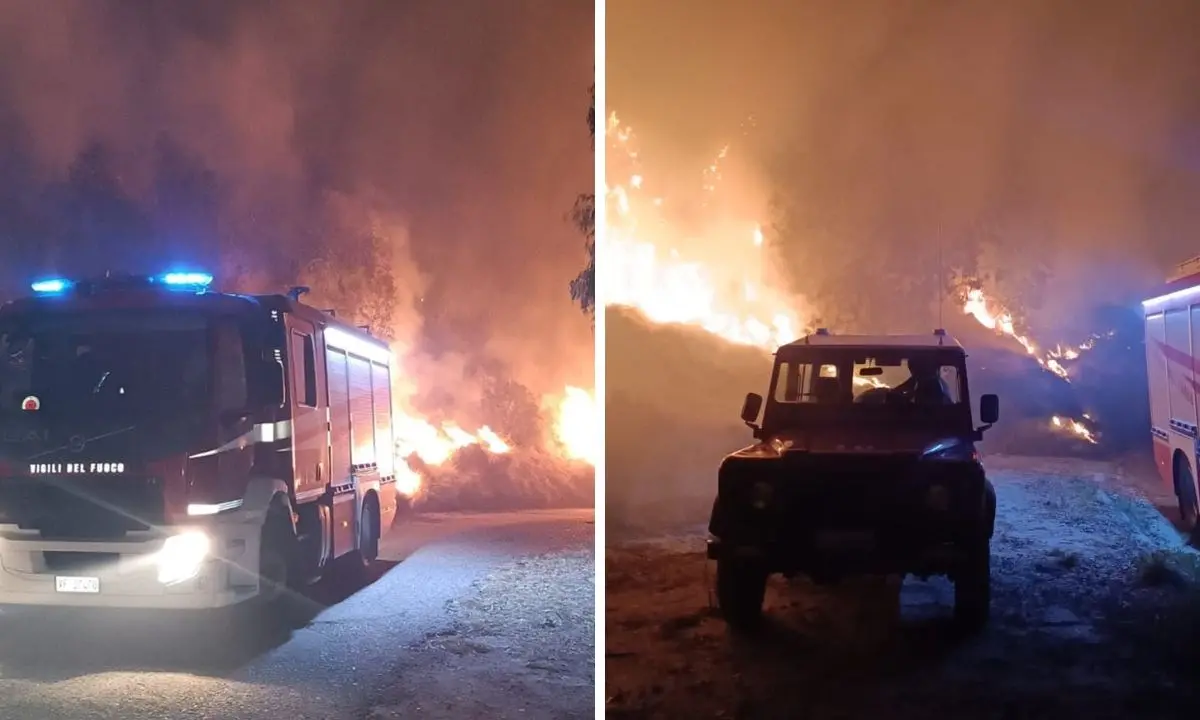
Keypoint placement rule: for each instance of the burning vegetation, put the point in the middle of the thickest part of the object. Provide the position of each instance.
(718, 274)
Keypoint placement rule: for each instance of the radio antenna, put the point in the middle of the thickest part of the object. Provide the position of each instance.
(941, 278)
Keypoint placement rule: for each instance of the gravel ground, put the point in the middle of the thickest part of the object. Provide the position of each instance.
(522, 644)
(1096, 610)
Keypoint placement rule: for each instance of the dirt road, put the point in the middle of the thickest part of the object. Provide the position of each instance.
(1096, 611)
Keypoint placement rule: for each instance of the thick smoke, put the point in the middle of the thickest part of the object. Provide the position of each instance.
(1047, 145)
(303, 139)
(1067, 129)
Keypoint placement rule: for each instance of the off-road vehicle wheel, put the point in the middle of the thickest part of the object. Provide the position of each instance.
(973, 587)
(741, 588)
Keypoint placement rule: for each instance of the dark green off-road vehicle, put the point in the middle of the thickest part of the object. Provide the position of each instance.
(865, 464)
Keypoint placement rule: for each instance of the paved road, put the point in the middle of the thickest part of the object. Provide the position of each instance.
(72, 665)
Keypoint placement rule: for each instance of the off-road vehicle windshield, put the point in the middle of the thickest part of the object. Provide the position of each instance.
(868, 385)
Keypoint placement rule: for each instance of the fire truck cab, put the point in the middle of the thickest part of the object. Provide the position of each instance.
(166, 446)
(1172, 319)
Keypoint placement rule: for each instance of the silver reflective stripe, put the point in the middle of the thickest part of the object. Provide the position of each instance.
(213, 509)
(260, 433)
(270, 432)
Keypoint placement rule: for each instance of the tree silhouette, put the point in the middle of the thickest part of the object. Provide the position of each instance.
(184, 206)
(93, 223)
(583, 216)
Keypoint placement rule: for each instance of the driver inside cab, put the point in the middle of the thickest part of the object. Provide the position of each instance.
(925, 385)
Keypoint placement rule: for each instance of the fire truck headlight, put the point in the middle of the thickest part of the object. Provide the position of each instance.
(182, 556)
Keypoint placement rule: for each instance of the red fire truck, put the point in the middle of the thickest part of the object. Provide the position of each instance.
(166, 446)
(1172, 347)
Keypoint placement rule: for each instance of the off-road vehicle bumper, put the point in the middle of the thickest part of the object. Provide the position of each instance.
(832, 555)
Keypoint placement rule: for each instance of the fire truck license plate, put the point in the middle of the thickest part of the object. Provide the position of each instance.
(77, 584)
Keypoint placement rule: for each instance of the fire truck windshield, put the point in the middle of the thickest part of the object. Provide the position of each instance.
(128, 365)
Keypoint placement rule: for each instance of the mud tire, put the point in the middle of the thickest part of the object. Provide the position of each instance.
(973, 588)
(741, 590)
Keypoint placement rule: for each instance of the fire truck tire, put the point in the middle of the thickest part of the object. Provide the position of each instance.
(357, 564)
(741, 590)
(273, 558)
(276, 597)
(368, 532)
(277, 609)
(1185, 492)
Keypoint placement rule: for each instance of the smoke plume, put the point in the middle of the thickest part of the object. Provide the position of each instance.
(438, 143)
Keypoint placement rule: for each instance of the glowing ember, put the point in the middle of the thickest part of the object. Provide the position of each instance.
(1074, 428)
(577, 428)
(653, 265)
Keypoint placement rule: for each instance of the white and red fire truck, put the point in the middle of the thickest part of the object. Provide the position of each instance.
(1172, 352)
(166, 446)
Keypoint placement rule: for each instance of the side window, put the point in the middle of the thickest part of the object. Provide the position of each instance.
(230, 367)
(796, 381)
(951, 383)
(304, 371)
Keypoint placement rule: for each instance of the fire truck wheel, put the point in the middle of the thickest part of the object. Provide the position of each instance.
(356, 565)
(277, 607)
(1185, 491)
(368, 532)
(274, 559)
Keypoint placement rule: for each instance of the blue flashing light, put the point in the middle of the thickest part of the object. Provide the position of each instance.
(52, 286)
(187, 279)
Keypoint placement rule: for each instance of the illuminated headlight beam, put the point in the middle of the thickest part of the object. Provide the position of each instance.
(182, 556)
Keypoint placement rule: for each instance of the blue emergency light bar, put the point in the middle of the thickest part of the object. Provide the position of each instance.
(53, 286)
(189, 279)
(198, 281)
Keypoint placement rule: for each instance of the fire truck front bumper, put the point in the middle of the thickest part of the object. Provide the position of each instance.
(190, 568)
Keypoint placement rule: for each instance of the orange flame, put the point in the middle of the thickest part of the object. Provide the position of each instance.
(574, 423)
(577, 427)
(1074, 428)
(647, 268)
(1001, 320)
